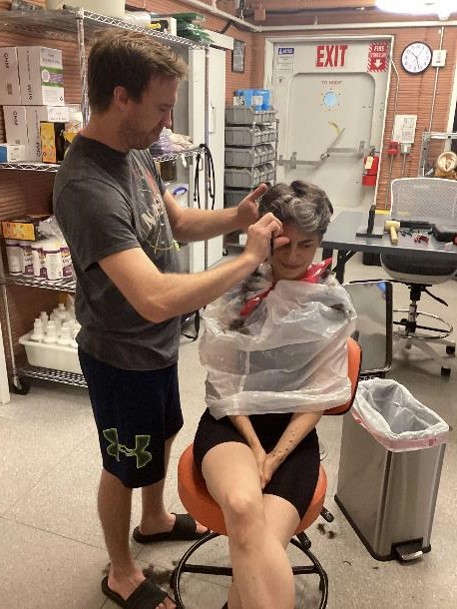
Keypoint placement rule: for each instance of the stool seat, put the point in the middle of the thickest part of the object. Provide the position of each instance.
(198, 502)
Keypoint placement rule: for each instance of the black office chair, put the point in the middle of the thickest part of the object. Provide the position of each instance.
(431, 200)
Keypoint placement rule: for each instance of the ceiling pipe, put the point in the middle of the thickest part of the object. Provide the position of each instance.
(208, 8)
(356, 26)
(315, 27)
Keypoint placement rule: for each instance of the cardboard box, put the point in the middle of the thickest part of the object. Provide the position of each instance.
(10, 89)
(23, 229)
(36, 115)
(52, 141)
(41, 76)
(168, 25)
(15, 124)
(12, 153)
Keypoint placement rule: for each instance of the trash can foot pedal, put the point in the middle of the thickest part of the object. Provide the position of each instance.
(407, 552)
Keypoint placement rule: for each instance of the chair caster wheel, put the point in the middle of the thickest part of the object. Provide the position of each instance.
(445, 372)
(450, 350)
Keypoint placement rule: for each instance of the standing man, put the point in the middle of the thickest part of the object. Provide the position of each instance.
(122, 226)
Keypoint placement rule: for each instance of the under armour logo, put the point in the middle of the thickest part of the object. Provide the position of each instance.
(114, 449)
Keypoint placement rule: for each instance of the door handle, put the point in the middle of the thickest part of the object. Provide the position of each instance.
(293, 163)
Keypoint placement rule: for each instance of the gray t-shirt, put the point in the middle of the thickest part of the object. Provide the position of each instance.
(106, 202)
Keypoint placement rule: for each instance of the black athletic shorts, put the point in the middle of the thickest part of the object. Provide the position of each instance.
(135, 412)
(295, 479)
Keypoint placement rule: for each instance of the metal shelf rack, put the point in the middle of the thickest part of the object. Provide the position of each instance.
(444, 142)
(76, 23)
(62, 285)
(82, 27)
(52, 168)
(28, 166)
(48, 374)
(61, 24)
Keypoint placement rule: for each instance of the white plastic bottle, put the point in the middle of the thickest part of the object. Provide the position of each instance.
(44, 318)
(13, 254)
(36, 259)
(51, 333)
(65, 335)
(53, 268)
(61, 312)
(26, 258)
(38, 330)
(67, 265)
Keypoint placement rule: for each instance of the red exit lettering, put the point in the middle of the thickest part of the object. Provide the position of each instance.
(331, 55)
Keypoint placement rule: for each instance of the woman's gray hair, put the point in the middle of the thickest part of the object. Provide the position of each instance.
(302, 203)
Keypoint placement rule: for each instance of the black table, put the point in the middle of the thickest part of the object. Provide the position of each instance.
(341, 236)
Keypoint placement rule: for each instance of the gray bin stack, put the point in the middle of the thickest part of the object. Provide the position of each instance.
(250, 153)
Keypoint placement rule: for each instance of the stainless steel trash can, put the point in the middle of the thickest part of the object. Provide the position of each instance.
(388, 497)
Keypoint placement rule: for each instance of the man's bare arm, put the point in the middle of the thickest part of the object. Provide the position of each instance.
(159, 296)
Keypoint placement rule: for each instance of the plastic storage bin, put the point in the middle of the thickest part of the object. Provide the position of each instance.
(389, 496)
(233, 197)
(249, 157)
(243, 115)
(244, 136)
(52, 356)
(249, 177)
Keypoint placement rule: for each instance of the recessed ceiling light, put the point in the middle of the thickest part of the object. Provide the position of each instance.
(443, 8)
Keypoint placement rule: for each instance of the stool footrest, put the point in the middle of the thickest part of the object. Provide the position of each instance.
(207, 569)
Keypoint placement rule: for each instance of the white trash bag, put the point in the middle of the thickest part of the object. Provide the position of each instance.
(395, 418)
(287, 355)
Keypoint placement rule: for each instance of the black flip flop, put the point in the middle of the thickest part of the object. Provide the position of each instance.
(185, 529)
(148, 594)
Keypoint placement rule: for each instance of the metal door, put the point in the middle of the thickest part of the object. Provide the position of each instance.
(330, 99)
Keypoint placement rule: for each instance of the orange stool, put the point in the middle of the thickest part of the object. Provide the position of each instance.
(199, 503)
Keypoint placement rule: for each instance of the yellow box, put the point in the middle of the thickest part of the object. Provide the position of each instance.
(48, 143)
(22, 229)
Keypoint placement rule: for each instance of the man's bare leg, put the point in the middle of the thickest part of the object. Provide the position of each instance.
(114, 508)
(155, 518)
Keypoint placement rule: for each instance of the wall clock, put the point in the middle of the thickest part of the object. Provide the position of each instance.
(416, 57)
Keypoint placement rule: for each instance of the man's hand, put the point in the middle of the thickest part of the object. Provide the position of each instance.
(248, 208)
(260, 236)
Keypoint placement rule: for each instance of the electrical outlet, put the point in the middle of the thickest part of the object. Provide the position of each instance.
(439, 58)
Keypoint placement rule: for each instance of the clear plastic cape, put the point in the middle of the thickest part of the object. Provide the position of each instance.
(288, 355)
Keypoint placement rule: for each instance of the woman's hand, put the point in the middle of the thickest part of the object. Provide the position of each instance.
(270, 465)
(259, 455)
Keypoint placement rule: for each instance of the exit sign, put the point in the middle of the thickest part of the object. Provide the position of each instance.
(331, 55)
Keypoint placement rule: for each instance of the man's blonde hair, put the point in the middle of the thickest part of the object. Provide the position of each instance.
(129, 60)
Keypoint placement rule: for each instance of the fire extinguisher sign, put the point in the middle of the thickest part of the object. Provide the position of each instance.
(378, 54)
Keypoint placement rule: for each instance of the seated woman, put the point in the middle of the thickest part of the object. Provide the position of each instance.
(256, 445)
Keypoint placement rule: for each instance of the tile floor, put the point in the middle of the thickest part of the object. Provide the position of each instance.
(52, 552)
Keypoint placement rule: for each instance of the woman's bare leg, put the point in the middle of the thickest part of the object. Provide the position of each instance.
(260, 564)
(282, 519)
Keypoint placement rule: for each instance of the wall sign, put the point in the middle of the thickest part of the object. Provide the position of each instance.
(378, 54)
(285, 59)
(331, 55)
(238, 56)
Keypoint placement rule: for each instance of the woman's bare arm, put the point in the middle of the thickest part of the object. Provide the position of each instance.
(298, 428)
